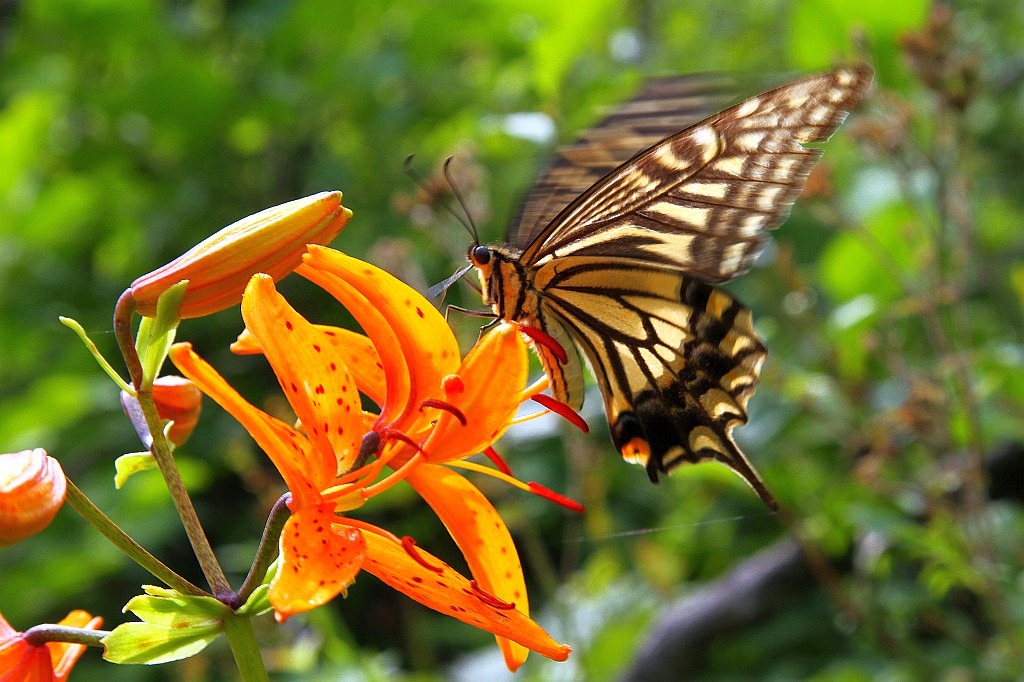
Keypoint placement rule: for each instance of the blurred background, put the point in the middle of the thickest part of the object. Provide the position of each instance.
(889, 417)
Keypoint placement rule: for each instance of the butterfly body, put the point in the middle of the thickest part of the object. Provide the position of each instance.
(625, 271)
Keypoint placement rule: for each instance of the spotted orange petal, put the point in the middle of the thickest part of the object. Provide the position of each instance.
(493, 375)
(387, 307)
(357, 351)
(312, 374)
(288, 449)
(450, 593)
(319, 559)
(481, 535)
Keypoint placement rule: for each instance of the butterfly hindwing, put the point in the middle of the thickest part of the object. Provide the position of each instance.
(676, 359)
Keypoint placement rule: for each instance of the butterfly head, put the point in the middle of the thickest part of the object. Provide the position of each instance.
(482, 258)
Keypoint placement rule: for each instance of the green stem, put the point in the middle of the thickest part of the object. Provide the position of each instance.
(245, 649)
(182, 502)
(110, 530)
(102, 361)
(41, 634)
(267, 551)
(123, 333)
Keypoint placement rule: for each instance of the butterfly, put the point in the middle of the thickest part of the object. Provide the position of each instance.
(617, 253)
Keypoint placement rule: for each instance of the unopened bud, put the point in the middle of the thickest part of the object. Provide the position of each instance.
(218, 268)
(32, 488)
(177, 400)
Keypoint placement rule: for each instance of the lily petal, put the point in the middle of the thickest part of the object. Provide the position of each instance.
(493, 375)
(287, 448)
(424, 339)
(481, 535)
(312, 374)
(451, 594)
(357, 350)
(319, 559)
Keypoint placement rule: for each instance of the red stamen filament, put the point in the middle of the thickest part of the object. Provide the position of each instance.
(546, 340)
(562, 410)
(394, 434)
(490, 599)
(549, 494)
(498, 460)
(409, 545)
(447, 407)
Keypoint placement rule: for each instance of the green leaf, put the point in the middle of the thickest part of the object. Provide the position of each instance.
(128, 465)
(174, 626)
(143, 643)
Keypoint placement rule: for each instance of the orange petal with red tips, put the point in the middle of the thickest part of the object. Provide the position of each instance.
(319, 559)
(492, 375)
(356, 350)
(312, 374)
(482, 536)
(288, 449)
(450, 593)
(422, 335)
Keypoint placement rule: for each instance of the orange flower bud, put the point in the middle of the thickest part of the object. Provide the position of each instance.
(177, 399)
(32, 489)
(218, 268)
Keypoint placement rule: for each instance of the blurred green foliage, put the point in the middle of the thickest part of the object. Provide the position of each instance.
(891, 304)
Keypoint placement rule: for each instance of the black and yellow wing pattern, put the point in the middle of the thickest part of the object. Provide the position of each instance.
(625, 268)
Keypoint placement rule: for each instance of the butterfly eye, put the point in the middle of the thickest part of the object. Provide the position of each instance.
(480, 255)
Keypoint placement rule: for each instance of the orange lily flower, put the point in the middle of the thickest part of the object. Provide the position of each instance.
(432, 411)
(21, 661)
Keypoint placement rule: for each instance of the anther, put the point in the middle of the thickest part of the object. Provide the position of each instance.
(447, 407)
(546, 340)
(562, 410)
(498, 460)
(549, 494)
(409, 545)
(490, 599)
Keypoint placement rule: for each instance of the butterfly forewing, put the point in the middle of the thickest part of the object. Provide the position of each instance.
(663, 107)
(701, 199)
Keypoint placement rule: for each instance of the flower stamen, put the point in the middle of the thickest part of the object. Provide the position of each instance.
(399, 475)
(447, 407)
(546, 340)
(498, 460)
(562, 410)
(389, 433)
(549, 494)
(490, 599)
(409, 545)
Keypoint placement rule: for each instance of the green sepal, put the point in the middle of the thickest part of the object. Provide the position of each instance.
(130, 464)
(257, 604)
(156, 334)
(174, 626)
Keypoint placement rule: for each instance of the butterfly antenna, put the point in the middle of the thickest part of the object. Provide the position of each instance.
(411, 172)
(462, 202)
